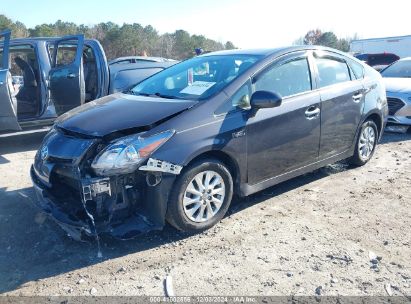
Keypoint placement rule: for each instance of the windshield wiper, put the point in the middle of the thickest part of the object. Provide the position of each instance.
(131, 92)
(148, 94)
(164, 96)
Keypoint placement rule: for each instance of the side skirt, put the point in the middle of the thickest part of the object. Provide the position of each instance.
(246, 189)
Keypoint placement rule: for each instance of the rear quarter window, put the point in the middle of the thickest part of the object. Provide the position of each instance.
(357, 68)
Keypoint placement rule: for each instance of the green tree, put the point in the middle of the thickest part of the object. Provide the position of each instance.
(229, 45)
(343, 44)
(312, 37)
(124, 40)
(328, 39)
(18, 29)
(183, 47)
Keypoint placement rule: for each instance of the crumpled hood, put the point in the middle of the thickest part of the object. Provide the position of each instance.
(397, 85)
(120, 112)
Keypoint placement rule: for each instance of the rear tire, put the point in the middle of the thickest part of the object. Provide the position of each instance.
(200, 196)
(365, 144)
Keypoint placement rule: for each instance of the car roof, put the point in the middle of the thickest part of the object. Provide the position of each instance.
(274, 51)
(143, 58)
(38, 39)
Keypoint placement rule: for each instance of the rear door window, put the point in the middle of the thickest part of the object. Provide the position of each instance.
(332, 71)
(66, 53)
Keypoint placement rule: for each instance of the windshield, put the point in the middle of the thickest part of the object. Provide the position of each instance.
(196, 78)
(401, 68)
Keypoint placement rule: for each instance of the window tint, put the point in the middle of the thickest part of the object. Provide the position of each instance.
(332, 71)
(287, 79)
(357, 68)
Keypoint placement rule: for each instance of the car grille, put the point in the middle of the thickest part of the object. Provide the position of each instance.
(394, 104)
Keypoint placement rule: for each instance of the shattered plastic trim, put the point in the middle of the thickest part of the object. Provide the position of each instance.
(156, 165)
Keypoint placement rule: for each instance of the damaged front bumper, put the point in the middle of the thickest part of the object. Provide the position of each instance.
(120, 206)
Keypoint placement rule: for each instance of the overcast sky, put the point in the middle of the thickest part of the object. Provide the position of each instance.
(247, 23)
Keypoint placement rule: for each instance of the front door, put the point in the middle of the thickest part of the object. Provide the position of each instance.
(341, 105)
(287, 137)
(67, 85)
(8, 104)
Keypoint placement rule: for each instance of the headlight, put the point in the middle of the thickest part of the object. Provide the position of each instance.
(125, 155)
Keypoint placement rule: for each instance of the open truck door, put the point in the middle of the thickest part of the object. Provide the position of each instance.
(67, 86)
(8, 103)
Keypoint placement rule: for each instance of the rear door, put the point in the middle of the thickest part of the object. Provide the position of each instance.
(342, 102)
(8, 105)
(67, 87)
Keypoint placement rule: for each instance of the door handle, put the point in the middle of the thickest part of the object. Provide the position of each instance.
(312, 112)
(357, 97)
(71, 75)
(1, 83)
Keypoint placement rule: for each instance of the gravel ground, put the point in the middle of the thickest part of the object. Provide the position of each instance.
(336, 231)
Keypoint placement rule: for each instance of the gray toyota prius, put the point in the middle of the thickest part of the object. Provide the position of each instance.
(178, 145)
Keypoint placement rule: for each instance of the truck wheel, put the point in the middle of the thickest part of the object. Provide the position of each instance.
(200, 197)
(366, 143)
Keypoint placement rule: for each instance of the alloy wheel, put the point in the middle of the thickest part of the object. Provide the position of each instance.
(204, 196)
(366, 143)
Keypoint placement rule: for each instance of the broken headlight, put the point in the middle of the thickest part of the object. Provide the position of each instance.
(125, 154)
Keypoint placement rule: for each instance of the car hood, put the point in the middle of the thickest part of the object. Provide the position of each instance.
(120, 112)
(397, 85)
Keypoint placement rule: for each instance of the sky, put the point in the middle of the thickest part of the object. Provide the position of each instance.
(247, 23)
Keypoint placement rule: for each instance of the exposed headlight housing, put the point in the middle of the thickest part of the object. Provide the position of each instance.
(126, 154)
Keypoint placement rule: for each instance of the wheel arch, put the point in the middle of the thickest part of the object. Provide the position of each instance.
(226, 159)
(377, 119)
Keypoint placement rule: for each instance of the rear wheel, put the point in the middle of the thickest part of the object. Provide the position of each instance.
(201, 196)
(366, 143)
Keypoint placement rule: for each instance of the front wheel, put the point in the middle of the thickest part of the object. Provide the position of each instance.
(201, 196)
(366, 143)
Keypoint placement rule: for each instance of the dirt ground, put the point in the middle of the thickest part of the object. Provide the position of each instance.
(336, 231)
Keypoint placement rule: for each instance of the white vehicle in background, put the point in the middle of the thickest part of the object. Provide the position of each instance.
(397, 80)
(400, 46)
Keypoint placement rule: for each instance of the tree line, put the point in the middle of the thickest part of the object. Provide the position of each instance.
(135, 39)
(123, 40)
(318, 37)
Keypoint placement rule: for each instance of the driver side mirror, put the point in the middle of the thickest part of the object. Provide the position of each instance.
(265, 99)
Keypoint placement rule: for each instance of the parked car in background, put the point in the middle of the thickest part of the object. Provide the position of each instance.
(178, 145)
(58, 74)
(137, 59)
(397, 79)
(378, 61)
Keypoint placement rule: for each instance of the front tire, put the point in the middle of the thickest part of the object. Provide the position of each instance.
(366, 143)
(201, 196)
